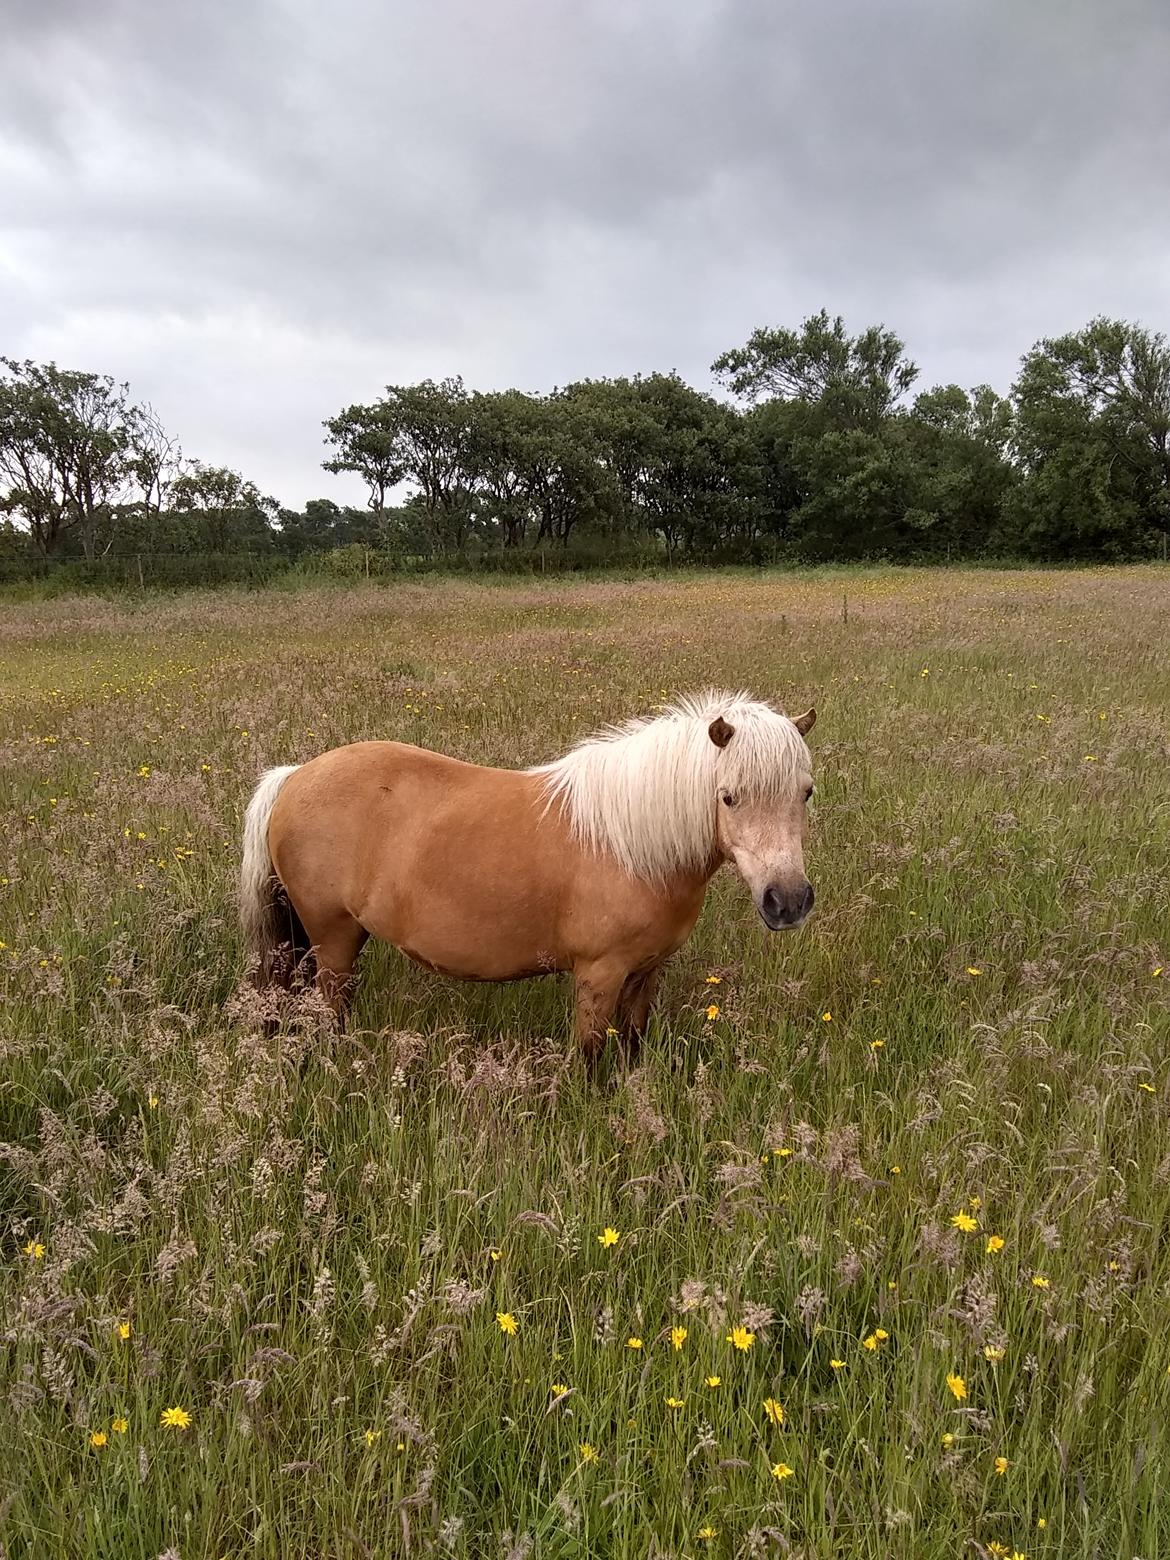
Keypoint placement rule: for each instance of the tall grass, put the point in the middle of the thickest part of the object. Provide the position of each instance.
(313, 1246)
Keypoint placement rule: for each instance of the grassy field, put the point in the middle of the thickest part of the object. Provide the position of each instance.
(913, 1158)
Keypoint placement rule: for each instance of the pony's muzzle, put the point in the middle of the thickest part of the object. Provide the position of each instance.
(782, 908)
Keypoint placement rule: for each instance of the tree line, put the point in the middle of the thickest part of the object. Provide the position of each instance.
(819, 447)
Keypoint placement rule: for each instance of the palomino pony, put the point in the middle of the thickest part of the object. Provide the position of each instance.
(597, 863)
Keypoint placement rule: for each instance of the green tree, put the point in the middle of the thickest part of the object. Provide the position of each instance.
(223, 512)
(856, 380)
(67, 450)
(1093, 441)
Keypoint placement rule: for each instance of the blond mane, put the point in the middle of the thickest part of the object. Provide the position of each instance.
(645, 791)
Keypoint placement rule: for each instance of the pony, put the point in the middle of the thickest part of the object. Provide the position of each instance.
(596, 864)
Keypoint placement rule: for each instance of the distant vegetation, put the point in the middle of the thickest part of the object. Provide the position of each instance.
(821, 452)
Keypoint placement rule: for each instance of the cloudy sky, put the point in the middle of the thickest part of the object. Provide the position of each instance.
(258, 211)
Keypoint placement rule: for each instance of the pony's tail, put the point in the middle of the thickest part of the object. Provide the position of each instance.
(265, 911)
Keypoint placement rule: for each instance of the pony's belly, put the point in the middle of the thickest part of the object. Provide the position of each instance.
(462, 967)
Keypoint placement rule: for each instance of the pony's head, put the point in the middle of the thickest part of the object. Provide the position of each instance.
(763, 783)
(715, 777)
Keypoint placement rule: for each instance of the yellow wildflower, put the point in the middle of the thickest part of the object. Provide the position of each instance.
(837, 1364)
(958, 1386)
(123, 1331)
(1147, 1088)
(714, 980)
(34, 1249)
(119, 1426)
(557, 1387)
(707, 1533)
(678, 1336)
(994, 1243)
(588, 1452)
(609, 1236)
(673, 1402)
(972, 970)
(1001, 1466)
(507, 1323)
(964, 1222)
(991, 1353)
(876, 1045)
(1039, 1281)
(741, 1338)
(98, 1438)
(782, 1471)
(870, 1343)
(947, 1438)
(774, 1411)
(712, 1013)
(633, 1343)
(495, 1254)
(175, 1418)
(826, 1017)
(372, 1436)
(713, 1381)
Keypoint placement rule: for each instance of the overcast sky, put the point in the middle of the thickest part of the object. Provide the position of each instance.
(258, 211)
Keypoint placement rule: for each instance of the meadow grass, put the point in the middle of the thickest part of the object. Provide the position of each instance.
(917, 1152)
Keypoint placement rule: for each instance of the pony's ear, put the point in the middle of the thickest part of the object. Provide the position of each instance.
(720, 732)
(805, 723)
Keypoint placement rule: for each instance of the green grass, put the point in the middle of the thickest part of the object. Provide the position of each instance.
(311, 1237)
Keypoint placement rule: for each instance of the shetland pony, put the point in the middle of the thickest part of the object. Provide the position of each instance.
(597, 863)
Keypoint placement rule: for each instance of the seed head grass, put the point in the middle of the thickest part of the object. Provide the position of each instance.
(869, 1257)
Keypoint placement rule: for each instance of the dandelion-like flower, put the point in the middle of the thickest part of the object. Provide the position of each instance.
(707, 1533)
(1039, 1281)
(712, 1013)
(774, 1411)
(123, 1331)
(994, 1243)
(99, 1438)
(990, 1352)
(826, 1017)
(119, 1426)
(714, 980)
(965, 1222)
(678, 1336)
(507, 1323)
(1001, 1466)
(782, 1471)
(34, 1249)
(741, 1338)
(588, 1452)
(948, 1438)
(609, 1236)
(175, 1418)
(371, 1436)
(676, 1403)
(958, 1386)
(837, 1364)
(558, 1387)
(713, 1381)
(633, 1343)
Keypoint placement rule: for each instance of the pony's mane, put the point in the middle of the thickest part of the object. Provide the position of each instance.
(645, 791)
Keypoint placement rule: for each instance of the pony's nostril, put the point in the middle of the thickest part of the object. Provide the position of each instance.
(772, 904)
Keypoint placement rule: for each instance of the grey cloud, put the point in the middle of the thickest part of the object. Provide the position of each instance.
(257, 212)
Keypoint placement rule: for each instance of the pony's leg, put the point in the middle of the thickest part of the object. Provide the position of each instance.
(599, 985)
(637, 999)
(335, 948)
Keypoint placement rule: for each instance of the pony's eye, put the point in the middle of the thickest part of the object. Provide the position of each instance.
(727, 799)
